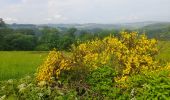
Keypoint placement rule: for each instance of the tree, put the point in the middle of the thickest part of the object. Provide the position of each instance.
(20, 41)
(3, 33)
(49, 38)
(2, 23)
(66, 40)
(71, 32)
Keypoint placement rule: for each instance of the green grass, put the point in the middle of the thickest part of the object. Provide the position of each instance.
(164, 51)
(16, 64)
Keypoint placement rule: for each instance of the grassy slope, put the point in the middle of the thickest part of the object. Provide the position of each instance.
(164, 51)
(16, 64)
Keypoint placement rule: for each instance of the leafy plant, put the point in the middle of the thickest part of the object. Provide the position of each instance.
(101, 83)
(151, 85)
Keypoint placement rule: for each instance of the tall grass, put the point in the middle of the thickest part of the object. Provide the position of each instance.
(16, 64)
(164, 51)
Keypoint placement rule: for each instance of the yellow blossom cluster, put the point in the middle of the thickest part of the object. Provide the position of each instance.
(52, 67)
(131, 52)
(128, 53)
(166, 68)
(138, 55)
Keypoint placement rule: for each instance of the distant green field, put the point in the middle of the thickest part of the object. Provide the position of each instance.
(164, 51)
(16, 64)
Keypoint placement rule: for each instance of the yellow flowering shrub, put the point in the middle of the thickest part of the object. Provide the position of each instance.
(166, 68)
(54, 64)
(128, 54)
(138, 55)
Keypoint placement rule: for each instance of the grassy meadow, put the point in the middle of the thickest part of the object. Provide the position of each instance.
(164, 51)
(16, 64)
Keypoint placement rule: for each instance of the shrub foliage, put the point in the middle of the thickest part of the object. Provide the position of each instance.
(128, 54)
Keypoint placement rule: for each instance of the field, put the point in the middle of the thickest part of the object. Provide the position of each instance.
(164, 51)
(16, 64)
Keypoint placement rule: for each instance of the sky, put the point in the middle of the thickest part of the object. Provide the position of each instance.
(84, 11)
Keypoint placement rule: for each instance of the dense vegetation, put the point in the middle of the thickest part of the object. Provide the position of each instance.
(121, 67)
(159, 31)
(45, 38)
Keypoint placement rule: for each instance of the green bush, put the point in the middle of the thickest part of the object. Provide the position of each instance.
(151, 85)
(101, 83)
(27, 89)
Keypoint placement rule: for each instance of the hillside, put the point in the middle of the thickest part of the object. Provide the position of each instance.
(158, 30)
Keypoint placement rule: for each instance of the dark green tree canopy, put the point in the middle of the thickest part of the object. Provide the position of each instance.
(2, 23)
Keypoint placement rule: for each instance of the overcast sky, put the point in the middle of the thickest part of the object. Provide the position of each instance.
(84, 11)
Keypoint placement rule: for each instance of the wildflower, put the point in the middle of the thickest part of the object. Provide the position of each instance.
(42, 83)
(21, 90)
(10, 81)
(3, 88)
(133, 98)
(21, 86)
(40, 94)
(3, 97)
(132, 93)
(28, 77)
(30, 85)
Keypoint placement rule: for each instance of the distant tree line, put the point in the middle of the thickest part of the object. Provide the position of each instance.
(160, 31)
(45, 38)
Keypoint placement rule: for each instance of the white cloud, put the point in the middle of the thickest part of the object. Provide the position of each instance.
(9, 20)
(48, 19)
(83, 11)
(57, 18)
